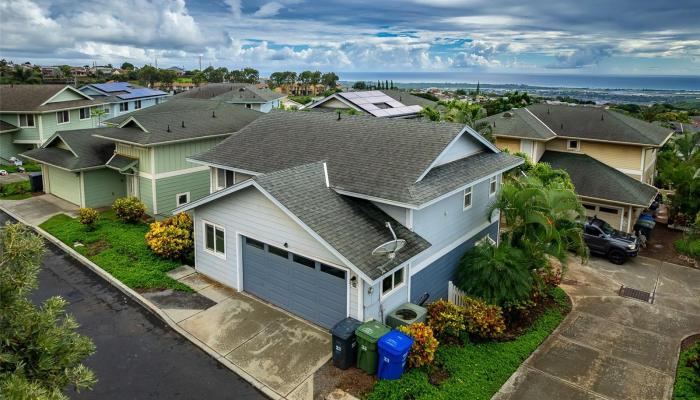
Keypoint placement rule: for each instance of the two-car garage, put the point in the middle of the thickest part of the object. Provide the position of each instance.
(313, 290)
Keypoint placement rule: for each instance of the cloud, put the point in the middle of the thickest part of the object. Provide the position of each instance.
(269, 9)
(582, 57)
(235, 7)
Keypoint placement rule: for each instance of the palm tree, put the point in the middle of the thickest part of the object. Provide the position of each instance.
(25, 76)
(99, 113)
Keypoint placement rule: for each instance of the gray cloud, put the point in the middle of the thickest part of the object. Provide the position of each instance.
(582, 57)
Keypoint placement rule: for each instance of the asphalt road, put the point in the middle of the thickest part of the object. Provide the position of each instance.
(138, 356)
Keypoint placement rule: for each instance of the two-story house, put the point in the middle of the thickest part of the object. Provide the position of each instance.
(332, 217)
(377, 103)
(123, 97)
(142, 154)
(243, 94)
(611, 157)
(31, 114)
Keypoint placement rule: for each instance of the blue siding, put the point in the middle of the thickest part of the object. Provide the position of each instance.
(376, 309)
(433, 278)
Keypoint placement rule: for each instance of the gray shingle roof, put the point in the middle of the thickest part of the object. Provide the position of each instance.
(163, 122)
(89, 151)
(30, 97)
(518, 123)
(231, 93)
(593, 178)
(376, 157)
(408, 98)
(121, 162)
(6, 126)
(352, 226)
(597, 123)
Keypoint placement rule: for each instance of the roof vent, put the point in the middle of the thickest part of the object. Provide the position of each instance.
(494, 124)
(547, 110)
(241, 90)
(183, 124)
(168, 130)
(213, 114)
(338, 115)
(507, 114)
(602, 118)
(562, 125)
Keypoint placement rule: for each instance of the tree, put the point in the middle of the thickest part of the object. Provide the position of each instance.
(25, 76)
(430, 113)
(246, 75)
(167, 76)
(198, 78)
(65, 71)
(386, 84)
(40, 350)
(392, 85)
(678, 164)
(99, 113)
(330, 80)
(148, 75)
(127, 66)
(359, 85)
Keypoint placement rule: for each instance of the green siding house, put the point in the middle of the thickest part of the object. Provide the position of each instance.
(145, 157)
(31, 114)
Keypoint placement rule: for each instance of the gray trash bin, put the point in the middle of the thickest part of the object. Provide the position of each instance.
(345, 343)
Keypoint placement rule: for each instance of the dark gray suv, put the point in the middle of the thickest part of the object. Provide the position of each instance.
(603, 239)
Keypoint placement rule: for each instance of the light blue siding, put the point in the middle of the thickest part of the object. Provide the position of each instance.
(378, 307)
(433, 278)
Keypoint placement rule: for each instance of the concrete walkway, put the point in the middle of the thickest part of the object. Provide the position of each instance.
(279, 350)
(38, 209)
(611, 347)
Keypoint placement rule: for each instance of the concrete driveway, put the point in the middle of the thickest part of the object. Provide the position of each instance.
(38, 209)
(612, 347)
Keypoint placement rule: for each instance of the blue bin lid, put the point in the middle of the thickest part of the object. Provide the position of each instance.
(395, 343)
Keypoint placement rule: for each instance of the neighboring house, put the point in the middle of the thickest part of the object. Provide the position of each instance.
(300, 89)
(290, 104)
(610, 157)
(178, 71)
(243, 94)
(31, 114)
(123, 97)
(146, 157)
(300, 201)
(372, 102)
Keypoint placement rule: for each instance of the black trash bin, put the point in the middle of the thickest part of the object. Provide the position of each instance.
(345, 343)
(36, 182)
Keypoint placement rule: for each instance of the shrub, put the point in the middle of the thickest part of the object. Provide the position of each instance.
(424, 344)
(129, 209)
(688, 245)
(15, 188)
(171, 238)
(445, 319)
(483, 320)
(88, 217)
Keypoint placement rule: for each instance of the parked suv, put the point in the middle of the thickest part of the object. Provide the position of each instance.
(602, 238)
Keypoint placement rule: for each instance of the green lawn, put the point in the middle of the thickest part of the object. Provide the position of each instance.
(477, 370)
(687, 384)
(119, 249)
(15, 191)
(29, 167)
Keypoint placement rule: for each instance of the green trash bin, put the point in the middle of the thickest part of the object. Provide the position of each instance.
(368, 334)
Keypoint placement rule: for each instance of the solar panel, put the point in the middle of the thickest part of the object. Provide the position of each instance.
(113, 87)
(141, 92)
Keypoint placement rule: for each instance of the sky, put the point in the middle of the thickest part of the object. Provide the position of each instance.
(615, 37)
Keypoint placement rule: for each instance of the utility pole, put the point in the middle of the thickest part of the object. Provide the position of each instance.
(200, 63)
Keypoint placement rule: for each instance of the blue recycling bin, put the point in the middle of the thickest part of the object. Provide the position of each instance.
(393, 350)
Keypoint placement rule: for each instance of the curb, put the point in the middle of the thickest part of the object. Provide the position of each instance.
(148, 305)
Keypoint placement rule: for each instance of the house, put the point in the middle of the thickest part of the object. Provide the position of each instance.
(289, 104)
(51, 72)
(31, 114)
(302, 205)
(372, 102)
(142, 154)
(123, 97)
(610, 157)
(243, 94)
(301, 89)
(178, 71)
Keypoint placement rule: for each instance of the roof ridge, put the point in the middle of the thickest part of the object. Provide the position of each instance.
(624, 119)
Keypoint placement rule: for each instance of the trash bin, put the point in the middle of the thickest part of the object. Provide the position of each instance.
(345, 342)
(393, 350)
(35, 182)
(368, 334)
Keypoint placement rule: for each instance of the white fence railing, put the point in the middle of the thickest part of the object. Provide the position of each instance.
(454, 294)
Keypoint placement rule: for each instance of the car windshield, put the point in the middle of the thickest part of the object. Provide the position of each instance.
(607, 228)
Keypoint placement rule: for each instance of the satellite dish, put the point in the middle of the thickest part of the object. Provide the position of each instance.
(391, 247)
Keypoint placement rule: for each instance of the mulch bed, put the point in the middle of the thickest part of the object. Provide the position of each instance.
(352, 380)
(660, 246)
(689, 341)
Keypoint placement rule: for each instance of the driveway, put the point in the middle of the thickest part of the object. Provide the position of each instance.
(612, 347)
(138, 355)
(38, 209)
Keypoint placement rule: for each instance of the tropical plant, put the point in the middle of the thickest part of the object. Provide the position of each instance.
(88, 217)
(172, 238)
(424, 344)
(129, 209)
(431, 113)
(24, 75)
(483, 320)
(40, 350)
(98, 113)
(445, 319)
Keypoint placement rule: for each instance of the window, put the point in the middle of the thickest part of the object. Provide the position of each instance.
(589, 207)
(63, 117)
(137, 104)
(493, 185)
(338, 273)
(224, 178)
(182, 198)
(248, 106)
(591, 230)
(608, 210)
(214, 239)
(572, 145)
(85, 113)
(254, 243)
(304, 261)
(467, 198)
(278, 252)
(392, 281)
(26, 120)
(124, 106)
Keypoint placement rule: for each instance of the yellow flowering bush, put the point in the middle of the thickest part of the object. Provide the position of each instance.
(483, 320)
(424, 344)
(171, 238)
(445, 319)
(129, 209)
(88, 217)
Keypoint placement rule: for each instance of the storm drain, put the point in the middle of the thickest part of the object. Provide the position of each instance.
(636, 294)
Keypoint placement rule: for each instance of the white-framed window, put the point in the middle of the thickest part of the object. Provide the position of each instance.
(124, 106)
(393, 281)
(63, 117)
(182, 198)
(26, 120)
(467, 204)
(493, 185)
(574, 145)
(137, 104)
(85, 113)
(224, 178)
(215, 239)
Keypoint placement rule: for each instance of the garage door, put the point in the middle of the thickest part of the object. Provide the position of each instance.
(64, 184)
(610, 215)
(313, 290)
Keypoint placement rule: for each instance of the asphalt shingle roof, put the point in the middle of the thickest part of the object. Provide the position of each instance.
(163, 122)
(352, 226)
(519, 123)
(6, 126)
(30, 97)
(593, 178)
(232, 93)
(90, 151)
(408, 98)
(121, 163)
(376, 157)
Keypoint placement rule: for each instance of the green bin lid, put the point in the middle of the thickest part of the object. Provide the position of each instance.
(372, 330)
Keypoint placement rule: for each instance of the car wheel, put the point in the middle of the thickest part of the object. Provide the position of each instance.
(617, 257)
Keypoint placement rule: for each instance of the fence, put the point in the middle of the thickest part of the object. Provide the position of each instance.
(454, 294)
